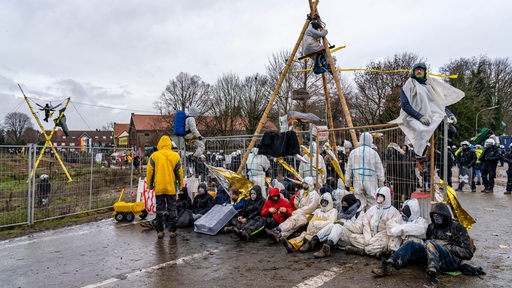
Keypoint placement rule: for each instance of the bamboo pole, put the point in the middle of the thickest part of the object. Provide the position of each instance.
(343, 102)
(273, 97)
(329, 113)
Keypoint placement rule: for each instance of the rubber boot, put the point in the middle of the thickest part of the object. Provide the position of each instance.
(325, 251)
(384, 269)
(354, 250)
(310, 245)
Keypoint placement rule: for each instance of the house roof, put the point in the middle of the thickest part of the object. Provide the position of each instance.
(152, 122)
(119, 128)
(76, 134)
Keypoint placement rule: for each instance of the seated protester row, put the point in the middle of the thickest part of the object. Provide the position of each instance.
(249, 221)
(410, 227)
(324, 215)
(306, 202)
(276, 209)
(447, 244)
(375, 240)
(202, 203)
(349, 222)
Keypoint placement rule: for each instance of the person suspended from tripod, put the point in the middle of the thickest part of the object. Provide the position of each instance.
(311, 44)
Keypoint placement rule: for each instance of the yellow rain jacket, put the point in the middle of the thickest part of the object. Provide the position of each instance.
(164, 172)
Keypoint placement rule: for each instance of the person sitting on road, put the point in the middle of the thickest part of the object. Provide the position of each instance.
(375, 239)
(447, 244)
(324, 215)
(202, 203)
(249, 221)
(222, 195)
(410, 227)
(236, 199)
(276, 209)
(350, 221)
(306, 202)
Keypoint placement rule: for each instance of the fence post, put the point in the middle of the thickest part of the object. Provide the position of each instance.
(90, 181)
(132, 153)
(30, 203)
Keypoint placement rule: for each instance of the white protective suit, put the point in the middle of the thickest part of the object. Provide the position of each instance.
(306, 167)
(364, 171)
(341, 231)
(322, 217)
(192, 134)
(415, 228)
(311, 41)
(429, 99)
(375, 238)
(257, 165)
(306, 203)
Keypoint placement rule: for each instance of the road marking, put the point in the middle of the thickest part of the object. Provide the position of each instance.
(8, 245)
(319, 280)
(152, 268)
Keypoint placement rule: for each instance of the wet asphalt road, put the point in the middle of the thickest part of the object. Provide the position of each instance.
(111, 254)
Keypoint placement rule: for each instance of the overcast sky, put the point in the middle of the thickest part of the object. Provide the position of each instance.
(121, 54)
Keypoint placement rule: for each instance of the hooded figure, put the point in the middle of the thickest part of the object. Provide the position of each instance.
(364, 171)
(276, 209)
(257, 166)
(410, 227)
(203, 202)
(306, 168)
(164, 174)
(423, 101)
(324, 215)
(447, 244)
(306, 201)
(349, 222)
(192, 134)
(184, 209)
(375, 239)
(249, 221)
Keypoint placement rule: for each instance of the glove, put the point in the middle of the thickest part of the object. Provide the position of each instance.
(424, 120)
(200, 138)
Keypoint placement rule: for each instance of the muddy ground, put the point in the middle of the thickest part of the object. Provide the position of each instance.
(105, 253)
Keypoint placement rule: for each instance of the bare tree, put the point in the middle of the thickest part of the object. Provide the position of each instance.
(256, 92)
(183, 92)
(374, 89)
(225, 105)
(30, 135)
(15, 124)
(108, 127)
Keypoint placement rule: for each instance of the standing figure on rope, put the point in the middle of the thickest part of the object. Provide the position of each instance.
(423, 101)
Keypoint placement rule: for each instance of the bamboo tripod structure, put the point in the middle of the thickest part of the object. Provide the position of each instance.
(48, 138)
(314, 12)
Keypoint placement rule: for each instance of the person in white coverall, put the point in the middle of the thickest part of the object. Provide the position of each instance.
(325, 215)
(375, 239)
(350, 221)
(306, 167)
(306, 201)
(192, 135)
(364, 171)
(257, 165)
(410, 227)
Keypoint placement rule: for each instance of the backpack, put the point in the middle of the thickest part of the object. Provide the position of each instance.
(179, 123)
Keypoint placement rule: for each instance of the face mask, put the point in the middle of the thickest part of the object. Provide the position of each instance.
(181, 196)
(201, 191)
(305, 187)
(253, 196)
(438, 219)
(324, 203)
(380, 199)
(274, 198)
(406, 213)
(344, 207)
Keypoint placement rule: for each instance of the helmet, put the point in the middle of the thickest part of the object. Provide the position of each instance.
(44, 177)
(489, 142)
(464, 143)
(419, 65)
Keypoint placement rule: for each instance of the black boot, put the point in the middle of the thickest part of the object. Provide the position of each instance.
(289, 247)
(384, 269)
(310, 245)
(325, 251)
(432, 278)
(274, 234)
(354, 250)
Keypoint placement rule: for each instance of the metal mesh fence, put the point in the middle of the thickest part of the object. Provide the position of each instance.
(98, 175)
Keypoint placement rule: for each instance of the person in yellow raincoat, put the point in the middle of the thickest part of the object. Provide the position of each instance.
(164, 174)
